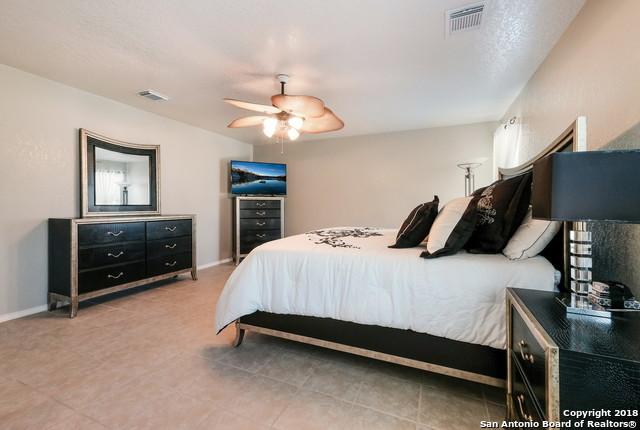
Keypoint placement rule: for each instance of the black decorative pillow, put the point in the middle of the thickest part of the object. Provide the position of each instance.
(417, 225)
(501, 208)
(479, 191)
(452, 228)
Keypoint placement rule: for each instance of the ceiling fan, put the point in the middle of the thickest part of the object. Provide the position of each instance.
(288, 116)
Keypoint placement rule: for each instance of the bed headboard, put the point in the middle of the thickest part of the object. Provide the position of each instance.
(573, 139)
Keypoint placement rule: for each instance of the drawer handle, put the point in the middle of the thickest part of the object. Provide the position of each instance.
(171, 228)
(261, 236)
(261, 213)
(110, 276)
(520, 399)
(261, 205)
(171, 264)
(525, 356)
(171, 246)
(115, 255)
(110, 233)
(260, 224)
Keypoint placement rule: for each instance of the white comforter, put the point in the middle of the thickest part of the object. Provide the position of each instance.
(460, 297)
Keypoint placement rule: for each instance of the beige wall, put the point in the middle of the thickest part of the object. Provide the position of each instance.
(39, 121)
(594, 70)
(376, 180)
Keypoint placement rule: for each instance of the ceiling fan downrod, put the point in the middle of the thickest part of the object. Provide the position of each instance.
(283, 79)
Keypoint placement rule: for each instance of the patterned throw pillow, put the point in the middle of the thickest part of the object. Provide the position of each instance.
(417, 225)
(501, 209)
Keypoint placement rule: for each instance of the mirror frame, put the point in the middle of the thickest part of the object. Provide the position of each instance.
(90, 140)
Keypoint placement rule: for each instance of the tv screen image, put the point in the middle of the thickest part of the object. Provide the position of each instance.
(248, 177)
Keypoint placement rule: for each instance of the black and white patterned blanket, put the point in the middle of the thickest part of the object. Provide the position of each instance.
(336, 237)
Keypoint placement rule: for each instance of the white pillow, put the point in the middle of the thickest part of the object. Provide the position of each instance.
(530, 238)
(446, 222)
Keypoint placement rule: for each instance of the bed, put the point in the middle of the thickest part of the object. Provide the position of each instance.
(342, 288)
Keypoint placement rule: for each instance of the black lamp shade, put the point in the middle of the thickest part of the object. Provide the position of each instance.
(588, 186)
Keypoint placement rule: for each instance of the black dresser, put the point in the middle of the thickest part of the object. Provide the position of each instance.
(561, 362)
(256, 220)
(90, 257)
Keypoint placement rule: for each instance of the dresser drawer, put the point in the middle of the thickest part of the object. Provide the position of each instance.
(259, 213)
(166, 229)
(92, 280)
(98, 234)
(169, 263)
(89, 258)
(530, 355)
(252, 238)
(260, 224)
(259, 204)
(163, 247)
(524, 406)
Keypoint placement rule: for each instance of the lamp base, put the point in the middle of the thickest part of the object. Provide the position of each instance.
(580, 259)
(579, 304)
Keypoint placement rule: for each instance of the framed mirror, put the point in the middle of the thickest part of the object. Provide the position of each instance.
(118, 178)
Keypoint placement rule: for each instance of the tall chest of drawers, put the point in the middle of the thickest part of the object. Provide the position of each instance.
(256, 220)
(90, 257)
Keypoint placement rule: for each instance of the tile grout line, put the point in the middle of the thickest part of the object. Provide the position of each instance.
(353, 402)
(419, 406)
(60, 402)
(273, 424)
(486, 406)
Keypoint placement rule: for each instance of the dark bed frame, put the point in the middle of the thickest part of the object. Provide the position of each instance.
(463, 360)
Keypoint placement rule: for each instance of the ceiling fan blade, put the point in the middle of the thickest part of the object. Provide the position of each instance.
(253, 106)
(304, 106)
(247, 121)
(327, 122)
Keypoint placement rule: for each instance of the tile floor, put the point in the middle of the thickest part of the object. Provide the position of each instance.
(150, 359)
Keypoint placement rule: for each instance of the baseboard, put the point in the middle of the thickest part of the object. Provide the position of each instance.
(214, 263)
(23, 313)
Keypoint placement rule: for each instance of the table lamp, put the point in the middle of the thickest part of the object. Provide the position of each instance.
(580, 187)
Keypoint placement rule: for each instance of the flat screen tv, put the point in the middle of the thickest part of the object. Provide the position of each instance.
(253, 178)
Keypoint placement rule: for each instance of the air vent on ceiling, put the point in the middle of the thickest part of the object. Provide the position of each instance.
(153, 95)
(465, 18)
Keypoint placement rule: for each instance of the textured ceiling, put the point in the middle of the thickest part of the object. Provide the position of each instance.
(381, 65)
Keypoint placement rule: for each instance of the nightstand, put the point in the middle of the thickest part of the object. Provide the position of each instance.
(558, 361)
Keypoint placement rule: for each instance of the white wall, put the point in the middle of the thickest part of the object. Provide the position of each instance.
(593, 71)
(39, 121)
(376, 180)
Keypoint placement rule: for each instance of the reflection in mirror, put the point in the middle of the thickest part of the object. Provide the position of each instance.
(121, 179)
(616, 246)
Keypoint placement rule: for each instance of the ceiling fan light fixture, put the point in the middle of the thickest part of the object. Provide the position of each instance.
(293, 133)
(269, 132)
(269, 126)
(295, 122)
(288, 116)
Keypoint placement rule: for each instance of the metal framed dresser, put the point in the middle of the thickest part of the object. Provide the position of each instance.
(560, 362)
(256, 220)
(91, 257)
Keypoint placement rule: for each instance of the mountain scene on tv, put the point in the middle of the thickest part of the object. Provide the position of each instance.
(258, 178)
